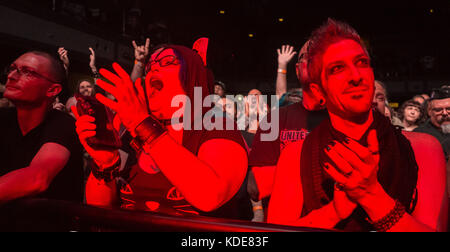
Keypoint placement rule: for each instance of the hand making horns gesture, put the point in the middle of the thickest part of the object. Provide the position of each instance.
(141, 53)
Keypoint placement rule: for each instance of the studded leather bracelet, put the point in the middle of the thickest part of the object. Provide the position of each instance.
(106, 174)
(391, 219)
(147, 132)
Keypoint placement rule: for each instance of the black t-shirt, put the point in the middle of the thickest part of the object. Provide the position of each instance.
(151, 191)
(248, 137)
(18, 151)
(295, 124)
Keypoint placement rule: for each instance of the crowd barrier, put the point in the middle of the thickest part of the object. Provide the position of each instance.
(50, 215)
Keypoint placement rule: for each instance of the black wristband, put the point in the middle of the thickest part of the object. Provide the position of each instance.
(147, 131)
(108, 174)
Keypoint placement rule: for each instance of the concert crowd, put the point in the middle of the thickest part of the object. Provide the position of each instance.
(167, 137)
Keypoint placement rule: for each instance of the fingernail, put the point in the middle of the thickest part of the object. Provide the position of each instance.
(332, 144)
(326, 166)
(346, 140)
(328, 148)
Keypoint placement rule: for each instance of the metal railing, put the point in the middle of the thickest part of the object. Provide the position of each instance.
(49, 215)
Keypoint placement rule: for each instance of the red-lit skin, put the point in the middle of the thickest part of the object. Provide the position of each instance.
(160, 102)
(207, 181)
(32, 97)
(350, 112)
(311, 101)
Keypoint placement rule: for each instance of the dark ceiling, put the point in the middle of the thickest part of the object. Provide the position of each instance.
(399, 33)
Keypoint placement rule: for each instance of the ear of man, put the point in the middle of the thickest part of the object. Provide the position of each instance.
(54, 90)
(298, 71)
(318, 92)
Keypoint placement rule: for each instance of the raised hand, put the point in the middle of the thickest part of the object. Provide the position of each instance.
(130, 103)
(58, 105)
(141, 53)
(63, 55)
(357, 166)
(92, 60)
(85, 127)
(285, 55)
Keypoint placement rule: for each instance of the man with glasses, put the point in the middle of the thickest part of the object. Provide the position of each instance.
(439, 123)
(39, 150)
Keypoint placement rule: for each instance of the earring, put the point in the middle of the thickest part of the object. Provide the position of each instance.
(322, 102)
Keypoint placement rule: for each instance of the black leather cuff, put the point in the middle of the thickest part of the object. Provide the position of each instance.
(148, 131)
(108, 174)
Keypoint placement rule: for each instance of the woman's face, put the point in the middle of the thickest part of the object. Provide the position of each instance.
(86, 89)
(163, 83)
(411, 114)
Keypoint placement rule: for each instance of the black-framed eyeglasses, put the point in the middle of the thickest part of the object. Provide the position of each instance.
(163, 62)
(24, 71)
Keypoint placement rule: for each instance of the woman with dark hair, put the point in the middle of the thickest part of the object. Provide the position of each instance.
(411, 114)
(181, 172)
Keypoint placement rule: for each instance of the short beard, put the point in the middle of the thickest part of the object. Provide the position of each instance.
(445, 128)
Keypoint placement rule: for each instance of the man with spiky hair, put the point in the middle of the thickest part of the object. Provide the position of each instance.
(355, 171)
